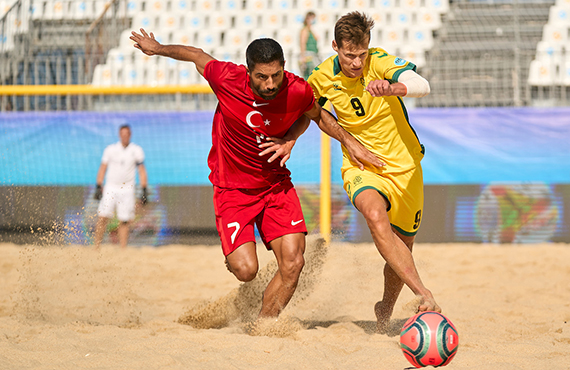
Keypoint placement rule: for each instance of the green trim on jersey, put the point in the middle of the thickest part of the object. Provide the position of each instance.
(371, 188)
(336, 68)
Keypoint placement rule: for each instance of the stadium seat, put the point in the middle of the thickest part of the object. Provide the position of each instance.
(183, 38)
(439, 6)
(220, 21)
(102, 75)
(427, 17)
(566, 74)
(125, 43)
(208, 39)
(53, 9)
(271, 20)
(205, 5)
(295, 18)
(391, 39)
(401, 18)
(134, 7)
(331, 6)
(360, 5)
(289, 40)
(420, 38)
(262, 33)
(540, 74)
(169, 21)
(80, 9)
(180, 6)
(246, 20)
(256, 6)
(559, 15)
(383, 5)
(413, 55)
(307, 5)
(550, 53)
(555, 34)
(148, 21)
(230, 5)
(235, 41)
(283, 5)
(194, 21)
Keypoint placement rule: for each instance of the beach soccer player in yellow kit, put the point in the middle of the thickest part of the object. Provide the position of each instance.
(365, 86)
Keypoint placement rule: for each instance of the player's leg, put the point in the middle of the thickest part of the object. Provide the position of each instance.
(100, 228)
(242, 262)
(397, 255)
(288, 251)
(105, 211)
(126, 203)
(282, 229)
(123, 232)
(392, 287)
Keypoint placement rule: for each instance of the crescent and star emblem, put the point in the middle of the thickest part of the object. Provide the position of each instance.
(249, 115)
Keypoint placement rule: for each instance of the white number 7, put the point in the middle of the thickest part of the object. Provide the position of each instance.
(236, 225)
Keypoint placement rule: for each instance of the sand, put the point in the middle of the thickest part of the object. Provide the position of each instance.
(75, 308)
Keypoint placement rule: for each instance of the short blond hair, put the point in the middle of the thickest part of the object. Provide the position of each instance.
(353, 28)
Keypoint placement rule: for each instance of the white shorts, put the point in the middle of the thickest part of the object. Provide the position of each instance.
(121, 198)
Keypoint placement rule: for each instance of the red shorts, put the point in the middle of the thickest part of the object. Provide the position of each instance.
(275, 210)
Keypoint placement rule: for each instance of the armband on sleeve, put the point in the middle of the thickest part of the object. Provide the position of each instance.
(417, 85)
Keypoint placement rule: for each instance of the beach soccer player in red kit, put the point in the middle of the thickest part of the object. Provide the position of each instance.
(262, 110)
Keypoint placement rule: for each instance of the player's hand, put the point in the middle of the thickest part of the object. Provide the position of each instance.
(280, 147)
(98, 192)
(380, 88)
(147, 44)
(144, 196)
(361, 156)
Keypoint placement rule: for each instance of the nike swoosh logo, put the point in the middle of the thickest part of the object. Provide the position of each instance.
(296, 222)
(256, 104)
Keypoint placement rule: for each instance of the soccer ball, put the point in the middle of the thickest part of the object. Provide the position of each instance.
(429, 339)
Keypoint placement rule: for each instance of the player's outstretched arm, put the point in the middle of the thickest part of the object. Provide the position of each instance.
(148, 45)
(357, 152)
(282, 147)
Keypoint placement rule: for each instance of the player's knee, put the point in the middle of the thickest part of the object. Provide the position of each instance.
(291, 268)
(244, 271)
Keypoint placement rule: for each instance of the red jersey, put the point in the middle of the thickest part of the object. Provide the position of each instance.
(242, 120)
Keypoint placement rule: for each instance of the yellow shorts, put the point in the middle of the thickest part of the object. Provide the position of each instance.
(403, 191)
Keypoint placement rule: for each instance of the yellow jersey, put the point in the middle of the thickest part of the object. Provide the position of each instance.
(380, 123)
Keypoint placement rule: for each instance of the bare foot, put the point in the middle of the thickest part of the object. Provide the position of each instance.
(383, 313)
(427, 303)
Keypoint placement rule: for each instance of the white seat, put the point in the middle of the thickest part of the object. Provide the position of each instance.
(235, 40)
(329, 6)
(194, 21)
(220, 21)
(183, 38)
(205, 5)
(420, 38)
(100, 6)
(555, 34)
(256, 5)
(429, 18)
(53, 9)
(180, 6)
(262, 33)
(289, 40)
(134, 7)
(208, 40)
(307, 5)
(148, 21)
(392, 38)
(563, 3)
(559, 15)
(540, 74)
(230, 5)
(125, 43)
(283, 5)
(440, 6)
(401, 18)
(271, 20)
(246, 20)
(169, 21)
(549, 53)
(102, 75)
(413, 55)
(410, 4)
(361, 5)
(295, 19)
(566, 74)
(80, 10)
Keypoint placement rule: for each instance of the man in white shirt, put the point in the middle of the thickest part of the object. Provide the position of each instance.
(118, 164)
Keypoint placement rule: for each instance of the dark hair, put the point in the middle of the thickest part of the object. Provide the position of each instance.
(353, 28)
(263, 51)
(125, 126)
